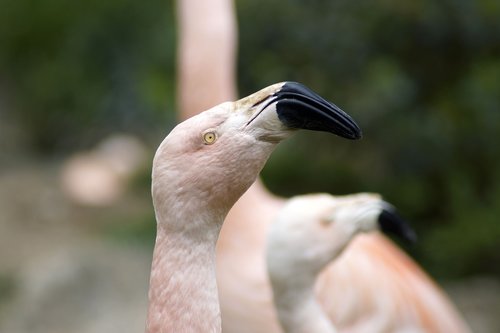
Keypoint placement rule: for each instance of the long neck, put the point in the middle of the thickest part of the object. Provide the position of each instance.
(206, 54)
(183, 290)
(298, 310)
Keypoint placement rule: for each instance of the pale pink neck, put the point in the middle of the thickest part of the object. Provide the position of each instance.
(183, 290)
(206, 54)
(299, 312)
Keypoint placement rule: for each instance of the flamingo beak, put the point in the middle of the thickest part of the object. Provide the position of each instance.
(301, 108)
(298, 107)
(391, 223)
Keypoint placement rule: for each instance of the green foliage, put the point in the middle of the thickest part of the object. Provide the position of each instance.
(132, 231)
(79, 69)
(8, 288)
(420, 77)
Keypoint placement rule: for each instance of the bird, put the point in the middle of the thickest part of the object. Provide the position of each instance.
(206, 76)
(199, 171)
(310, 232)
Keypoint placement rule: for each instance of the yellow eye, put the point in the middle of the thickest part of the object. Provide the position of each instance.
(209, 138)
(326, 221)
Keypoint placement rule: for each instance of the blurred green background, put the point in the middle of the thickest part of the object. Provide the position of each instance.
(422, 79)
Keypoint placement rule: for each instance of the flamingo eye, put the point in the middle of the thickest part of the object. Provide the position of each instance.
(209, 137)
(327, 221)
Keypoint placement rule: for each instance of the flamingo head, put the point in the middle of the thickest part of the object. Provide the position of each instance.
(208, 161)
(312, 230)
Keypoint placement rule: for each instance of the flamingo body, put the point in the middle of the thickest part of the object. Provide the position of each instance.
(371, 266)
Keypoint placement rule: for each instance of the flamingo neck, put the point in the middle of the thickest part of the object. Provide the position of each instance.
(183, 291)
(299, 311)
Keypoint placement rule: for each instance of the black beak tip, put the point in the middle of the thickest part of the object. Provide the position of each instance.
(357, 135)
(391, 223)
(300, 107)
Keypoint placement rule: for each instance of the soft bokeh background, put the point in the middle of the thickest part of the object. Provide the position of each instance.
(87, 92)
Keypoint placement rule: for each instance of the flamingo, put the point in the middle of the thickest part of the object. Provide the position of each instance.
(199, 171)
(372, 264)
(310, 232)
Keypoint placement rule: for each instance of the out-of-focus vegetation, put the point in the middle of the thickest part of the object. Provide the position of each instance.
(422, 78)
(76, 70)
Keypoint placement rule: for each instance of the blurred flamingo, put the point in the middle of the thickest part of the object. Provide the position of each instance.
(309, 233)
